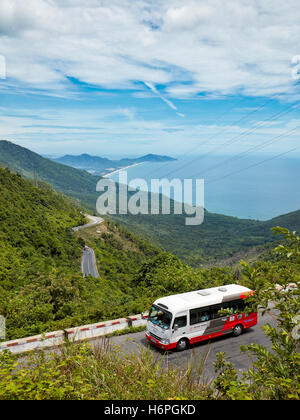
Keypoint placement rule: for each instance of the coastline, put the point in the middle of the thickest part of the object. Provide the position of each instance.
(121, 169)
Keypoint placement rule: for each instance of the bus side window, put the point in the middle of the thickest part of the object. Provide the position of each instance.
(199, 315)
(242, 305)
(194, 316)
(223, 306)
(215, 311)
(180, 321)
(238, 306)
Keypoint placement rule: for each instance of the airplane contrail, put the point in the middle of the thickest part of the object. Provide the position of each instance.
(167, 101)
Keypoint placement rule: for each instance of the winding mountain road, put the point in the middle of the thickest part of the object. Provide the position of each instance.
(94, 220)
(88, 260)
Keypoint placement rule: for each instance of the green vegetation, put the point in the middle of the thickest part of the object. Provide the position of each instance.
(275, 374)
(219, 240)
(133, 272)
(105, 373)
(39, 256)
(41, 286)
(81, 372)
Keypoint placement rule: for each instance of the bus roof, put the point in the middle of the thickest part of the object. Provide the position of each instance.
(202, 298)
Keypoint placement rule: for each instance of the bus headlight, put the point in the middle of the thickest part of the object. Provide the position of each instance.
(165, 341)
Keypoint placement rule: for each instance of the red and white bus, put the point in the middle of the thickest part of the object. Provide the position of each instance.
(177, 321)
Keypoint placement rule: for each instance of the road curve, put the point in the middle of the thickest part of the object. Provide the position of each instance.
(131, 343)
(88, 259)
(94, 220)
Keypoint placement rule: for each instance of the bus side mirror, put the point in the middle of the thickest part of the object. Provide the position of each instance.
(144, 314)
(176, 326)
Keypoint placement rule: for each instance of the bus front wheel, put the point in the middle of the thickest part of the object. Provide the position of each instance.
(182, 344)
(238, 329)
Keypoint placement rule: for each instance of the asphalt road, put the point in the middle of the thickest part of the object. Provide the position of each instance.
(230, 345)
(93, 222)
(88, 260)
(88, 263)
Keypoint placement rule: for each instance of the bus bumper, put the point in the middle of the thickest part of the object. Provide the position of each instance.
(157, 343)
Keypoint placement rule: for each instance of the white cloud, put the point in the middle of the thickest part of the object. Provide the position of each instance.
(211, 46)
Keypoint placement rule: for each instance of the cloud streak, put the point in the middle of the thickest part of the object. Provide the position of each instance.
(167, 101)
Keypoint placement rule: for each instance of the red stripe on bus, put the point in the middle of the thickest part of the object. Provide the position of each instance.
(246, 294)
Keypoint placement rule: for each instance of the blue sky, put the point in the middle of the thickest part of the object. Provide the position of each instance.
(119, 78)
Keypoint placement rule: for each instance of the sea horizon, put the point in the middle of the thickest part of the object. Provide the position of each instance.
(253, 187)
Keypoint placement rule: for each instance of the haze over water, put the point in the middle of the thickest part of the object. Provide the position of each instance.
(261, 192)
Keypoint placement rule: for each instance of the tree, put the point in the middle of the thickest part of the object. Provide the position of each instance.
(275, 373)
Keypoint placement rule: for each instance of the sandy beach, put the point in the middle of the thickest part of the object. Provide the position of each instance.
(120, 169)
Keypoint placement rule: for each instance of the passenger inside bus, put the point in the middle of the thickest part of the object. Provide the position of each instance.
(204, 317)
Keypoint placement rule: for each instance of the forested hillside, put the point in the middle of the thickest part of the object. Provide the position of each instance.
(38, 253)
(218, 238)
(73, 182)
(41, 286)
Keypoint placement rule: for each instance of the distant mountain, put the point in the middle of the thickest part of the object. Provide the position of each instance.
(150, 158)
(97, 163)
(156, 158)
(85, 161)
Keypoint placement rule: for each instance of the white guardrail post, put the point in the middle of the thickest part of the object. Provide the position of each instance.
(77, 334)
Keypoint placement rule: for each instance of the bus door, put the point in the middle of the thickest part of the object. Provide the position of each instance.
(180, 326)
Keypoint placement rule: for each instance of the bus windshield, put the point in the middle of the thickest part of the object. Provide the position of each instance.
(160, 317)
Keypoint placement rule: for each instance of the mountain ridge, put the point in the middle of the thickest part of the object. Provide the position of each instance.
(75, 183)
(99, 164)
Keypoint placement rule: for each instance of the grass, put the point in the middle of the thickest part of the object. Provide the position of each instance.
(80, 372)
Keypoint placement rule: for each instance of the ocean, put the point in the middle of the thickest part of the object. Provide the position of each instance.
(257, 188)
